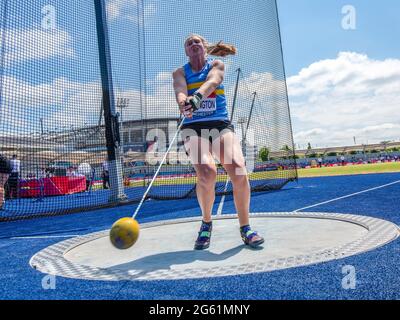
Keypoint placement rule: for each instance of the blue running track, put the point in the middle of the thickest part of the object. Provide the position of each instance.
(378, 272)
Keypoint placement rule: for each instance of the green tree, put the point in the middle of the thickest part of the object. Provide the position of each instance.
(385, 143)
(286, 148)
(264, 154)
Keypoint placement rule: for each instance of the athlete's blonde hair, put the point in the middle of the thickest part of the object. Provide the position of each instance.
(219, 49)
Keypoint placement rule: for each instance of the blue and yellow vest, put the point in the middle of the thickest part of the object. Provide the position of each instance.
(213, 107)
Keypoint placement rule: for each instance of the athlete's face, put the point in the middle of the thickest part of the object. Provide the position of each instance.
(194, 46)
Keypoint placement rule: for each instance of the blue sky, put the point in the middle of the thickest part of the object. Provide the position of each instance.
(312, 37)
(341, 83)
(311, 30)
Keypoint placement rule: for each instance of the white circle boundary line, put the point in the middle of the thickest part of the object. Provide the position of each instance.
(51, 260)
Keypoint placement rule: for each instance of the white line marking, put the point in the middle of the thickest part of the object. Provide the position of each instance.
(220, 206)
(45, 237)
(348, 196)
(221, 203)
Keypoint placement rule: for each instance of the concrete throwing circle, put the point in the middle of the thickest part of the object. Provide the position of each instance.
(164, 250)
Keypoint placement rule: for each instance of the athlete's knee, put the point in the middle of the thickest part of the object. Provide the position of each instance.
(239, 163)
(240, 177)
(238, 172)
(206, 174)
(238, 166)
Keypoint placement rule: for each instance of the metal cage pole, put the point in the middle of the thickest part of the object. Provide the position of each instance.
(287, 95)
(110, 114)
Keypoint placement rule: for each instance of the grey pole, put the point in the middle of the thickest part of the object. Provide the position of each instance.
(251, 113)
(236, 91)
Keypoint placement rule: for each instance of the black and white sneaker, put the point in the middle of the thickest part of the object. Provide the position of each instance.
(203, 239)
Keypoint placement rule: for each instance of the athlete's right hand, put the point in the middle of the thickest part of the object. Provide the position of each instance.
(186, 108)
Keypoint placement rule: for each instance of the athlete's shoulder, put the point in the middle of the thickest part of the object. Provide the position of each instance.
(179, 72)
(219, 64)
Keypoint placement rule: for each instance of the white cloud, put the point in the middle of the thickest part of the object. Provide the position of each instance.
(310, 133)
(264, 84)
(22, 45)
(63, 103)
(127, 9)
(60, 103)
(81, 105)
(332, 101)
(21, 93)
(350, 96)
(114, 8)
(269, 119)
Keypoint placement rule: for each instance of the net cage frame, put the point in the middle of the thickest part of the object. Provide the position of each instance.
(59, 111)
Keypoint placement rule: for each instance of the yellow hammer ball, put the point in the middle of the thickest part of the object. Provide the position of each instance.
(124, 233)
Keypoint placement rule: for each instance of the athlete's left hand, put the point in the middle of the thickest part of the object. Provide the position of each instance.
(195, 101)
